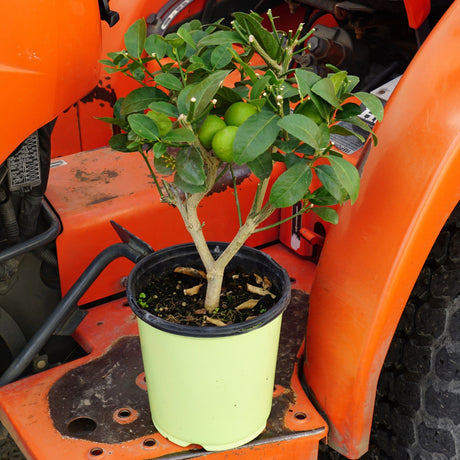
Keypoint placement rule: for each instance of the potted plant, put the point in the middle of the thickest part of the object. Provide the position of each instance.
(201, 106)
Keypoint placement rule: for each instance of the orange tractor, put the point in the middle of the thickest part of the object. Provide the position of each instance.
(369, 358)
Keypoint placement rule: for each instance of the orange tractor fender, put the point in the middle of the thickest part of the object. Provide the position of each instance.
(372, 258)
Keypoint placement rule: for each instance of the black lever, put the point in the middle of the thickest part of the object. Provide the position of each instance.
(107, 15)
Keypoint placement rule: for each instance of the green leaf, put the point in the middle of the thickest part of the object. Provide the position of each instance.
(205, 91)
(135, 38)
(287, 146)
(305, 149)
(106, 62)
(119, 58)
(356, 121)
(164, 124)
(348, 110)
(137, 71)
(159, 149)
(180, 135)
(140, 98)
(353, 80)
(220, 57)
(328, 178)
(155, 44)
(305, 80)
(321, 197)
(254, 27)
(327, 214)
(324, 88)
(255, 136)
(221, 37)
(144, 127)
(119, 142)
(162, 166)
(302, 128)
(196, 63)
(183, 99)
(289, 91)
(134, 146)
(117, 108)
(185, 35)
(113, 121)
(262, 166)
(190, 166)
(164, 107)
(194, 24)
(291, 186)
(339, 79)
(343, 131)
(373, 103)
(259, 86)
(247, 68)
(175, 41)
(186, 186)
(227, 96)
(291, 159)
(169, 81)
(347, 175)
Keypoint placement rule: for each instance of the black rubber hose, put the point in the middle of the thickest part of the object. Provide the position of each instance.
(65, 306)
(37, 241)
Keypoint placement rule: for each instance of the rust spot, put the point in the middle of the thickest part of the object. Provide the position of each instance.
(105, 176)
(101, 93)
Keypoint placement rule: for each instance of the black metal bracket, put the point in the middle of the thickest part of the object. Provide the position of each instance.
(108, 15)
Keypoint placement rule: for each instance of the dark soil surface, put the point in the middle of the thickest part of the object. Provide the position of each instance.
(172, 298)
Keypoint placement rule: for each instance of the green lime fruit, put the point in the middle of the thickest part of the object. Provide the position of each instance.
(222, 143)
(162, 121)
(209, 128)
(238, 113)
(308, 108)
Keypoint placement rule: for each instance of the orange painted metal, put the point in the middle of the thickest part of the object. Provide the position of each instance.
(48, 61)
(417, 11)
(90, 133)
(25, 411)
(371, 259)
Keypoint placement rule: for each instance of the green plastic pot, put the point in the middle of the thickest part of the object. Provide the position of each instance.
(210, 386)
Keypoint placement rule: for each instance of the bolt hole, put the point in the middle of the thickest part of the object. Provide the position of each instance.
(100, 323)
(96, 452)
(81, 426)
(124, 413)
(149, 442)
(300, 415)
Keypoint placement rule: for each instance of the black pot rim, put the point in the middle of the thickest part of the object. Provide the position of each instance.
(181, 251)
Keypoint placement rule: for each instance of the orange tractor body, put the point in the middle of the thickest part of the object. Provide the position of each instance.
(351, 280)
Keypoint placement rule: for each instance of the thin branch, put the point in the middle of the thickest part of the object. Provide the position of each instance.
(152, 172)
(287, 219)
(235, 193)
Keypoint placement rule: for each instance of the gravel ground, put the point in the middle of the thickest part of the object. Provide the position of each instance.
(8, 448)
